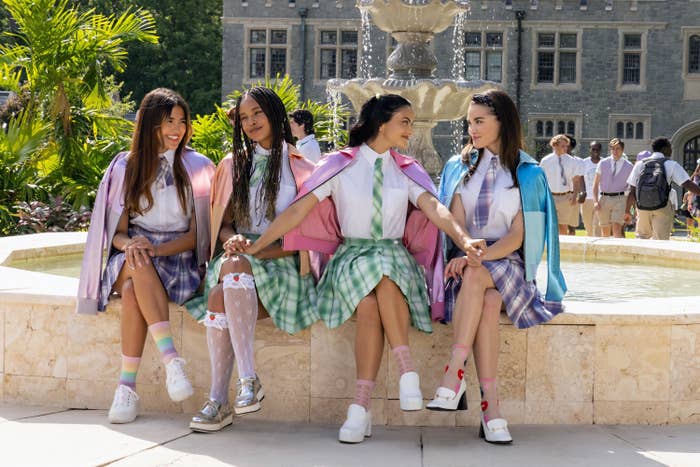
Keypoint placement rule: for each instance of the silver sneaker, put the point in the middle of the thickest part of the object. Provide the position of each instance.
(213, 417)
(249, 393)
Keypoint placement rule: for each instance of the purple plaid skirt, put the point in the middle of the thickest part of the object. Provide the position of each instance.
(525, 305)
(178, 273)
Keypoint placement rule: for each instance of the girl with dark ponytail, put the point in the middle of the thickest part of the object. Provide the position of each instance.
(376, 212)
(252, 185)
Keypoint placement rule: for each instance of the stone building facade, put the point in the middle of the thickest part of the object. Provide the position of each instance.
(596, 69)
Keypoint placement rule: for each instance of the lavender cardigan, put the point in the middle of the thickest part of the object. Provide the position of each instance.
(320, 230)
(109, 205)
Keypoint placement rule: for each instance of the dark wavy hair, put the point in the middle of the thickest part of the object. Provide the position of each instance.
(510, 134)
(242, 165)
(143, 161)
(304, 117)
(374, 113)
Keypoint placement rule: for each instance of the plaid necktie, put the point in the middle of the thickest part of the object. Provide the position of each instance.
(481, 212)
(165, 174)
(377, 228)
(261, 161)
(561, 171)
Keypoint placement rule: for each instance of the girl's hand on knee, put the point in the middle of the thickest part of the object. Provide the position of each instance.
(236, 244)
(455, 267)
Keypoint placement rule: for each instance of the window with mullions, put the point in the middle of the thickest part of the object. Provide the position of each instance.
(629, 130)
(266, 52)
(337, 53)
(632, 51)
(545, 129)
(557, 58)
(694, 54)
(483, 55)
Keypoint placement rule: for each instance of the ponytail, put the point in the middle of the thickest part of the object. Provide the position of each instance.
(373, 114)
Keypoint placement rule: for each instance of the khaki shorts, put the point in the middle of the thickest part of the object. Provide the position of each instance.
(612, 210)
(567, 213)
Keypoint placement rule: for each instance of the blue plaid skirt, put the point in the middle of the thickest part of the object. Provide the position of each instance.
(525, 305)
(178, 273)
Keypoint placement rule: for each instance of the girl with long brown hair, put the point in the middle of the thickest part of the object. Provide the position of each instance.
(152, 208)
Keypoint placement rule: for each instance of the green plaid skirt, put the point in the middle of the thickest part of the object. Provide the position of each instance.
(288, 297)
(355, 270)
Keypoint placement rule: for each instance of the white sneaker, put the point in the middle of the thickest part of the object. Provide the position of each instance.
(410, 396)
(356, 426)
(179, 387)
(125, 405)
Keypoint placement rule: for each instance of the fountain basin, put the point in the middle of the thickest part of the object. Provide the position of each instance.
(413, 15)
(598, 363)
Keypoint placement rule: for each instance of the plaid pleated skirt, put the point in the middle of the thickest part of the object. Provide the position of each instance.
(288, 297)
(178, 273)
(356, 268)
(525, 305)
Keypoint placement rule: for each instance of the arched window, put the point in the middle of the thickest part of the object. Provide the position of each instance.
(540, 128)
(691, 153)
(561, 127)
(629, 133)
(639, 131)
(549, 128)
(620, 130)
(571, 127)
(694, 54)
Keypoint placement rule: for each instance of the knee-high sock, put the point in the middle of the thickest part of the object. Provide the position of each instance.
(220, 356)
(454, 371)
(164, 340)
(241, 305)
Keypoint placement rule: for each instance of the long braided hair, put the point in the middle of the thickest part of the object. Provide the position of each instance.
(243, 149)
(510, 134)
(143, 161)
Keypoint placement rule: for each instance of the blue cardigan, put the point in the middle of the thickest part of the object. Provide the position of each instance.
(539, 217)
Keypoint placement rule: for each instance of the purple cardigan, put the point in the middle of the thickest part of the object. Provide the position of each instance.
(109, 204)
(320, 230)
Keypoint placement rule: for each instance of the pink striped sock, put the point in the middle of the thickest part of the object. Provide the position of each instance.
(363, 392)
(403, 357)
(164, 340)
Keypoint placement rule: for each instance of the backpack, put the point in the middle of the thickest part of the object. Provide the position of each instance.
(652, 186)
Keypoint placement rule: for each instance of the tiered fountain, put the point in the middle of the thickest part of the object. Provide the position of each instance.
(413, 23)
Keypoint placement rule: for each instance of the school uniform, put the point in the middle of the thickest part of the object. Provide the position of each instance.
(309, 148)
(513, 275)
(364, 258)
(288, 296)
(165, 221)
(560, 172)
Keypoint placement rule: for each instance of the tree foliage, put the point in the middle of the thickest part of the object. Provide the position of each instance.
(187, 58)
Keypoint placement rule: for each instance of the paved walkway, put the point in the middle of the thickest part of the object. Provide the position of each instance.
(52, 437)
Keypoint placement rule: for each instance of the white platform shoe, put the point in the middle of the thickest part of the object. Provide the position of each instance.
(357, 426)
(447, 399)
(410, 396)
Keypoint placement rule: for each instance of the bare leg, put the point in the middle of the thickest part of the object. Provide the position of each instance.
(617, 231)
(486, 349)
(605, 231)
(148, 291)
(133, 326)
(369, 346)
(393, 310)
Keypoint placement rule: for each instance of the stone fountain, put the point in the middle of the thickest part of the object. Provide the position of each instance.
(412, 65)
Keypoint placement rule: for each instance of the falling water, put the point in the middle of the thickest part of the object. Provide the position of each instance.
(366, 67)
(334, 98)
(458, 69)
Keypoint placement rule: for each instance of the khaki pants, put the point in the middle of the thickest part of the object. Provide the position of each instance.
(655, 224)
(567, 213)
(590, 218)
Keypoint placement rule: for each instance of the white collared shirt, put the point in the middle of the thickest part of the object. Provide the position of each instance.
(309, 148)
(166, 213)
(257, 207)
(572, 168)
(589, 170)
(674, 171)
(351, 191)
(505, 202)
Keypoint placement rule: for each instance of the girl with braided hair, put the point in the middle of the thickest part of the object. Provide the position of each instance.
(253, 184)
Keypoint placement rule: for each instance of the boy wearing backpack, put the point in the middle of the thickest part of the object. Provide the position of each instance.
(650, 181)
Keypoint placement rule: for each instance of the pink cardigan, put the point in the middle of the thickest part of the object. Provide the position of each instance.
(320, 230)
